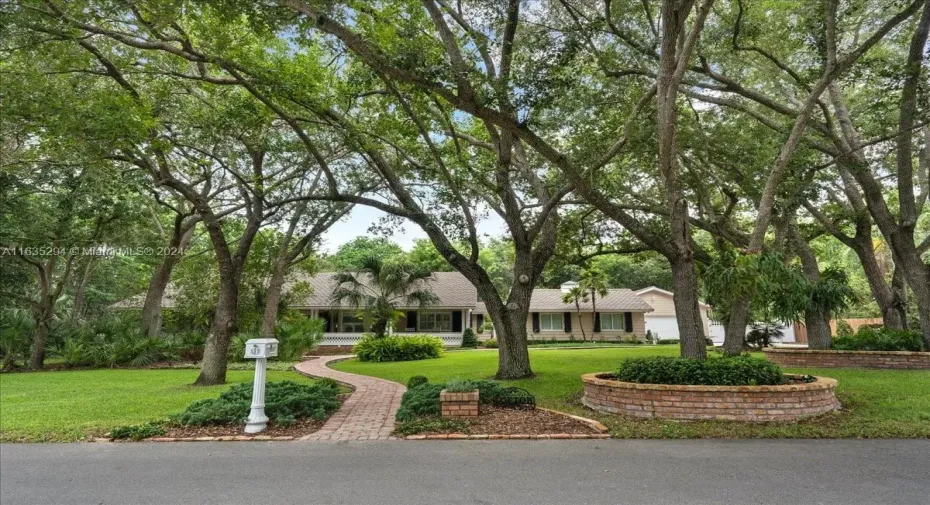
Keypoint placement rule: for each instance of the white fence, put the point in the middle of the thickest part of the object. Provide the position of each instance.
(449, 339)
(717, 332)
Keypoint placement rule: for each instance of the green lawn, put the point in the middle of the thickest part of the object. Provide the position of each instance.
(878, 404)
(70, 405)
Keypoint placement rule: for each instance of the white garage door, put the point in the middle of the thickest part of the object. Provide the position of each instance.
(663, 326)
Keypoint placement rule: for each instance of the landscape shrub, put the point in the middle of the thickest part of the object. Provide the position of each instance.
(112, 340)
(668, 341)
(469, 339)
(433, 424)
(285, 402)
(423, 400)
(137, 431)
(296, 335)
(490, 343)
(393, 348)
(416, 380)
(881, 339)
(16, 329)
(843, 329)
(729, 371)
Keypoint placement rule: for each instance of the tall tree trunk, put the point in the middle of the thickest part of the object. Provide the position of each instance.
(675, 53)
(213, 366)
(816, 320)
(152, 309)
(513, 358)
(898, 309)
(687, 309)
(43, 322)
(276, 284)
(584, 337)
(878, 286)
(77, 310)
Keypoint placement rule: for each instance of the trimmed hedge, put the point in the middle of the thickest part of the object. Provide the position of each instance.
(734, 371)
(371, 348)
(285, 402)
(422, 400)
(880, 339)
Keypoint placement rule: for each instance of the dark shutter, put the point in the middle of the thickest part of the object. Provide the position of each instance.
(457, 321)
(628, 321)
(480, 321)
(324, 315)
(412, 319)
(568, 322)
(535, 322)
(597, 322)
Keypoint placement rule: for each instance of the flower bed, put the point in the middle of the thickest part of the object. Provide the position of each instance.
(883, 360)
(788, 402)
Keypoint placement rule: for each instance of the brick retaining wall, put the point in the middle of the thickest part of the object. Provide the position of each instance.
(884, 360)
(731, 403)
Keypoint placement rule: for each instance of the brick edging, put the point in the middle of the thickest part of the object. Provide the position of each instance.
(789, 402)
(829, 358)
(554, 436)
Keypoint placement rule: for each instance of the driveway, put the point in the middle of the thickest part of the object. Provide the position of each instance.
(458, 472)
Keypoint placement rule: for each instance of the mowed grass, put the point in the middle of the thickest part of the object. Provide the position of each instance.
(72, 405)
(877, 404)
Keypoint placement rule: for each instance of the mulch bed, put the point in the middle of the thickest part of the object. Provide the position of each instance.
(505, 421)
(298, 429)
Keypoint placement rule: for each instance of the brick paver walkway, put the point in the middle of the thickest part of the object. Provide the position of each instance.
(367, 415)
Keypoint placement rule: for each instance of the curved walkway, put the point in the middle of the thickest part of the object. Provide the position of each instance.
(368, 414)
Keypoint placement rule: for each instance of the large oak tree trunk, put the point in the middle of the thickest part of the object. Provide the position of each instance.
(513, 358)
(43, 321)
(152, 309)
(687, 309)
(275, 288)
(816, 320)
(213, 366)
(878, 286)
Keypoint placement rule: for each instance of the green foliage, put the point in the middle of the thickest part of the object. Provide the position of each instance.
(469, 339)
(420, 401)
(490, 343)
(880, 339)
(416, 380)
(16, 327)
(423, 400)
(115, 339)
(843, 329)
(353, 254)
(137, 431)
(733, 371)
(285, 401)
(296, 334)
(431, 424)
(379, 287)
(396, 348)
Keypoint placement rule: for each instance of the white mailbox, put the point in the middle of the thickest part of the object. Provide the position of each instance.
(261, 348)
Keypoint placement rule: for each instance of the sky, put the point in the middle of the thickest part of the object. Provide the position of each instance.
(361, 218)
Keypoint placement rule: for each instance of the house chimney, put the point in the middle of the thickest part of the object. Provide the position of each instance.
(567, 286)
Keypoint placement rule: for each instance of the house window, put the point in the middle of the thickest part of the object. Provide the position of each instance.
(352, 323)
(551, 321)
(612, 322)
(436, 321)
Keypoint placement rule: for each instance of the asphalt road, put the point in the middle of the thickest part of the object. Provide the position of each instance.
(483, 472)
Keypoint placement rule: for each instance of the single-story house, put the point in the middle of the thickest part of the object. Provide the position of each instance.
(662, 321)
(620, 315)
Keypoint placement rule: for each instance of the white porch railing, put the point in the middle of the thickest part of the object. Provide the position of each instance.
(449, 339)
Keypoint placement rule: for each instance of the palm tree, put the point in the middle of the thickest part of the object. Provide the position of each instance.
(378, 288)
(577, 295)
(592, 281)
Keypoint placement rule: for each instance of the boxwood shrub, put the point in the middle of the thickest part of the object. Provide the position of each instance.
(422, 400)
(733, 371)
(371, 348)
(880, 339)
(285, 402)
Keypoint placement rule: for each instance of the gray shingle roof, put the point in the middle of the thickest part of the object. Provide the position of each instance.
(550, 300)
(452, 288)
(617, 300)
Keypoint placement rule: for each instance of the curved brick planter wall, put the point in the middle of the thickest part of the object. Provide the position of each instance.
(731, 403)
(885, 360)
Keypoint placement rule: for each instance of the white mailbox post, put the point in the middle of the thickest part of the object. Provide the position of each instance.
(259, 349)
